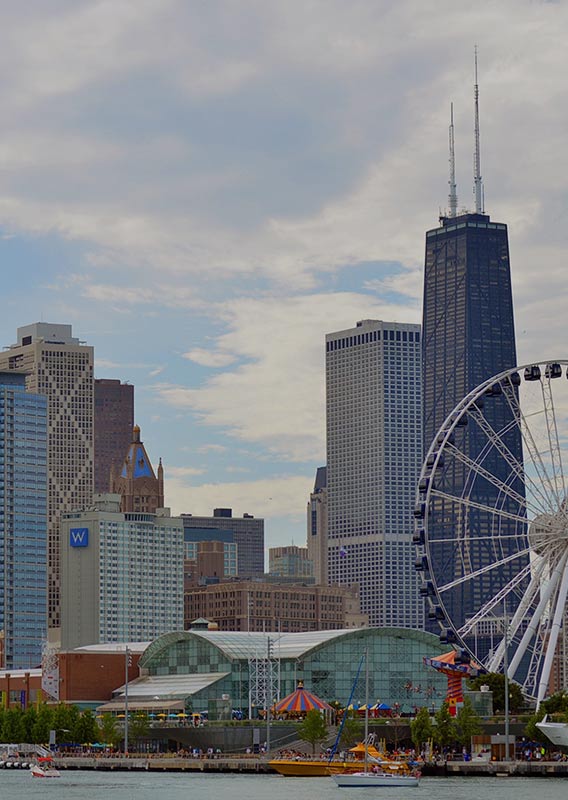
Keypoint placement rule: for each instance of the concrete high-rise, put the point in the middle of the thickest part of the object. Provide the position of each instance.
(318, 527)
(374, 454)
(23, 522)
(121, 574)
(114, 420)
(60, 367)
(248, 533)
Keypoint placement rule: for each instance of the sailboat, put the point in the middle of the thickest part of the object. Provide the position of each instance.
(376, 775)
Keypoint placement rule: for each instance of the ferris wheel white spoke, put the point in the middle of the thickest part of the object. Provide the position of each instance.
(488, 476)
(495, 601)
(531, 447)
(559, 610)
(555, 451)
(533, 625)
(483, 570)
(465, 501)
(510, 458)
(519, 615)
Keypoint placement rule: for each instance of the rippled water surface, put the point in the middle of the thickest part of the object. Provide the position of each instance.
(144, 786)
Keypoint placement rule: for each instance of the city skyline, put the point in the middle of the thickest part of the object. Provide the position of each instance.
(204, 213)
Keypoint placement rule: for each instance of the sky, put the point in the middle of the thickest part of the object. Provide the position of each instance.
(205, 189)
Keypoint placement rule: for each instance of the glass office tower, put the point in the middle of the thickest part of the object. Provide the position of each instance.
(468, 336)
(23, 522)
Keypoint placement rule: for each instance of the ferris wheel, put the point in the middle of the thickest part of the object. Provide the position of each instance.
(492, 526)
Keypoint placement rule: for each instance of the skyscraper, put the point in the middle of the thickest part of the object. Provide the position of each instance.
(60, 367)
(317, 526)
(23, 522)
(468, 336)
(248, 533)
(114, 420)
(374, 453)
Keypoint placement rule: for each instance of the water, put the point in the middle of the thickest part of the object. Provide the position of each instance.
(178, 786)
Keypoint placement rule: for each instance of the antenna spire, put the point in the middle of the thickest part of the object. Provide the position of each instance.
(477, 179)
(453, 196)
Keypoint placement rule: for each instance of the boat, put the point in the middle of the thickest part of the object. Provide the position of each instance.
(44, 768)
(370, 778)
(383, 772)
(557, 732)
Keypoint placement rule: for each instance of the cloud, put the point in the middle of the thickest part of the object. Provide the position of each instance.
(209, 358)
(281, 496)
(276, 398)
(183, 472)
(212, 448)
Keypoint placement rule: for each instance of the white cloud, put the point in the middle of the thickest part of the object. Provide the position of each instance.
(183, 472)
(281, 496)
(276, 398)
(209, 358)
(212, 448)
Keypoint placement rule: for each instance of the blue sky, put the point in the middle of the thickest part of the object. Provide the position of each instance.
(203, 190)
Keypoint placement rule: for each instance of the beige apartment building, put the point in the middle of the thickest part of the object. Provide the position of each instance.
(60, 367)
(262, 606)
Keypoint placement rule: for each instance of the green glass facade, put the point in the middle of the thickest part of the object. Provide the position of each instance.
(326, 661)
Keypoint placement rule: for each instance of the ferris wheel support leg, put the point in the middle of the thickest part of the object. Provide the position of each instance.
(553, 639)
(532, 627)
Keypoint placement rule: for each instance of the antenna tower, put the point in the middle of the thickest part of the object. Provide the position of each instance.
(453, 196)
(477, 179)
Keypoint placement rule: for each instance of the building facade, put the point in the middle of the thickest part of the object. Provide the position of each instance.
(60, 367)
(139, 488)
(244, 605)
(290, 561)
(121, 575)
(248, 534)
(469, 336)
(197, 539)
(114, 420)
(317, 531)
(23, 522)
(374, 455)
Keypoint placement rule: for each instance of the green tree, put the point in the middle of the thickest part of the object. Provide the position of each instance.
(30, 718)
(42, 725)
(313, 729)
(556, 704)
(138, 728)
(351, 732)
(13, 728)
(532, 732)
(108, 730)
(468, 723)
(496, 683)
(421, 729)
(85, 729)
(444, 726)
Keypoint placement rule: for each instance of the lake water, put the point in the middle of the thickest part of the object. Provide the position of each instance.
(183, 786)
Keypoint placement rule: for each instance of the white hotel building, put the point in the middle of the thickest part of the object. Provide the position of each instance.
(121, 574)
(374, 454)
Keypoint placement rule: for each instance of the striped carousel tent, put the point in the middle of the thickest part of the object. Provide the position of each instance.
(300, 702)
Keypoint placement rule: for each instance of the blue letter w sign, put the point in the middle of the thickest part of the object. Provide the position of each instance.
(79, 537)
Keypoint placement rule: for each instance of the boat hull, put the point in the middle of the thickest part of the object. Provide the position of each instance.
(557, 732)
(304, 768)
(372, 779)
(44, 772)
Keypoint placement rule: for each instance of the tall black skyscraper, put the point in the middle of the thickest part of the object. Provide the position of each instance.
(468, 336)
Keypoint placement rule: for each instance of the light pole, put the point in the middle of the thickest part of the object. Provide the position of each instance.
(126, 665)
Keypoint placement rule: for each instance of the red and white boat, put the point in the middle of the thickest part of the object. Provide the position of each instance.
(44, 768)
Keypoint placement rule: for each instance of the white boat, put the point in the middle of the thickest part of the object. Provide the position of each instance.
(371, 779)
(557, 732)
(44, 768)
(377, 775)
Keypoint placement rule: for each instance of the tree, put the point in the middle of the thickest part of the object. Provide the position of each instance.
(421, 729)
(556, 704)
(108, 730)
(444, 726)
(467, 723)
(13, 728)
(138, 727)
(313, 729)
(496, 683)
(532, 732)
(43, 724)
(85, 729)
(351, 732)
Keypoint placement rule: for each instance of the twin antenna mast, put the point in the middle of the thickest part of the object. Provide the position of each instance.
(477, 179)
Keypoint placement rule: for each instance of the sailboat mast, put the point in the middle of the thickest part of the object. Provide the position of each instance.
(366, 708)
